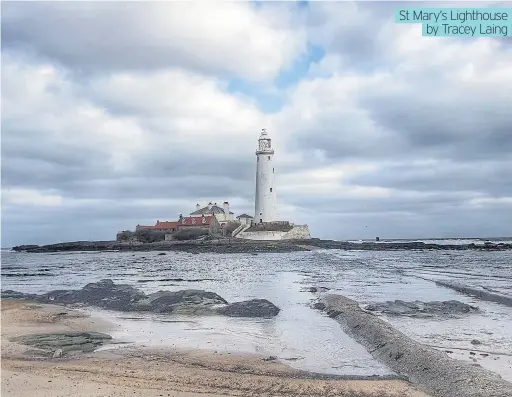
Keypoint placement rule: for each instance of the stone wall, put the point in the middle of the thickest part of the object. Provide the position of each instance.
(277, 226)
(262, 235)
(297, 232)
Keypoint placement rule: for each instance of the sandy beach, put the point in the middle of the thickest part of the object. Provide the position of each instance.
(151, 372)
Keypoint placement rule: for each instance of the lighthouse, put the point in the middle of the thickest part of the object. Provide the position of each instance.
(265, 199)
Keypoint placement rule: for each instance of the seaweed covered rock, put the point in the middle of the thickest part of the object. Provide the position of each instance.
(190, 301)
(250, 308)
(123, 297)
(423, 309)
(105, 294)
(64, 341)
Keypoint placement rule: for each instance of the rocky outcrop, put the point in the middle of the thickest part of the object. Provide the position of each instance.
(250, 308)
(236, 245)
(422, 309)
(181, 302)
(104, 294)
(69, 246)
(478, 293)
(122, 297)
(427, 367)
(59, 343)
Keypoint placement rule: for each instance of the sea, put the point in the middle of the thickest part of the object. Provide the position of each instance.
(299, 336)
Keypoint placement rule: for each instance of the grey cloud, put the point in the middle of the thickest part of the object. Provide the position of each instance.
(358, 39)
(85, 35)
(450, 123)
(156, 175)
(492, 177)
(432, 119)
(91, 37)
(454, 222)
(411, 204)
(346, 136)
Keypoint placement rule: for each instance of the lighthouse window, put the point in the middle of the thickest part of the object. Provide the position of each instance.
(269, 157)
(273, 170)
(270, 190)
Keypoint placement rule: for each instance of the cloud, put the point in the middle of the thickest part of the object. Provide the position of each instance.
(119, 114)
(30, 197)
(230, 38)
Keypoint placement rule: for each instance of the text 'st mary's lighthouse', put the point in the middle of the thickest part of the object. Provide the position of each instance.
(265, 200)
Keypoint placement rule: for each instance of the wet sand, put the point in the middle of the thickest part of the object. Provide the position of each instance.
(152, 372)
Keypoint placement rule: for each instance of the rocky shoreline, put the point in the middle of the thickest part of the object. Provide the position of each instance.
(49, 350)
(231, 245)
(123, 297)
(432, 370)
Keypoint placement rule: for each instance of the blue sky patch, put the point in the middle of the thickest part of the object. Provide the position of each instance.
(269, 96)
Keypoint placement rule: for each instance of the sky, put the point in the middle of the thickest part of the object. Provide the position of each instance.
(117, 114)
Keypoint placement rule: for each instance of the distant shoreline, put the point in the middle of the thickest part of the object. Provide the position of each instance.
(251, 246)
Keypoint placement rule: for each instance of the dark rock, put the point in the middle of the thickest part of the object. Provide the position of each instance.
(64, 341)
(28, 247)
(250, 308)
(185, 301)
(123, 297)
(317, 289)
(162, 253)
(333, 313)
(476, 342)
(103, 294)
(478, 293)
(422, 309)
(319, 306)
(10, 294)
(270, 358)
(252, 247)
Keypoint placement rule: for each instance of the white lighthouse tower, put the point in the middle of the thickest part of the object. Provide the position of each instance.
(265, 199)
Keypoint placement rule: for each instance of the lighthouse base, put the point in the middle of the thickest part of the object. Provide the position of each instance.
(276, 231)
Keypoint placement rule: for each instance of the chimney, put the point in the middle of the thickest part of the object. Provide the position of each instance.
(198, 207)
(226, 207)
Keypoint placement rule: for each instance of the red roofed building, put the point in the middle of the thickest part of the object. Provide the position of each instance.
(200, 222)
(164, 226)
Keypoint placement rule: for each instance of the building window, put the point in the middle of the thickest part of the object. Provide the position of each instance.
(273, 170)
(269, 157)
(261, 220)
(257, 159)
(270, 190)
